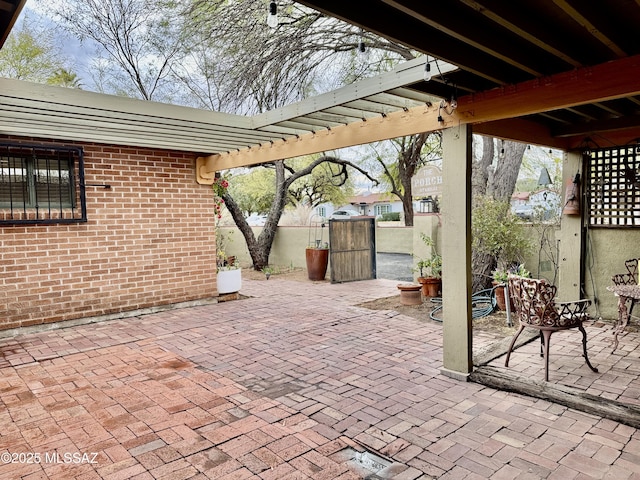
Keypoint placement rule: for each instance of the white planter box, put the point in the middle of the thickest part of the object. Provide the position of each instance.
(229, 281)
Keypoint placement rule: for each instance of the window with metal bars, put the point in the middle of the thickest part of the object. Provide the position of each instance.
(41, 184)
(613, 186)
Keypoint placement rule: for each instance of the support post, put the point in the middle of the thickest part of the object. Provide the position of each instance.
(570, 236)
(456, 253)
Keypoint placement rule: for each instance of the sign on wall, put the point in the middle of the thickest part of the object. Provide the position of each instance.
(427, 182)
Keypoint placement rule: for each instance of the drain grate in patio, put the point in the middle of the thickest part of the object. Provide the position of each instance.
(366, 464)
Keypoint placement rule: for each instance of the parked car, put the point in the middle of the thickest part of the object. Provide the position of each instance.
(255, 220)
(344, 214)
(525, 212)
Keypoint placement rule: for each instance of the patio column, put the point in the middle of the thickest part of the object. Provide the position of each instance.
(570, 236)
(456, 252)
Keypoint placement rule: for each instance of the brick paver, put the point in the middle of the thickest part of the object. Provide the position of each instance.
(278, 385)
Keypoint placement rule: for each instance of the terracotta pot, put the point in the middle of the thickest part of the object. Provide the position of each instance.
(410, 294)
(430, 286)
(501, 301)
(317, 262)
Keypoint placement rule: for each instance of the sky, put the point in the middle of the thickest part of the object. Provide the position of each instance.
(78, 54)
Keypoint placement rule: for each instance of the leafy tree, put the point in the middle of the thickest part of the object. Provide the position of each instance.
(498, 232)
(494, 178)
(30, 53)
(260, 247)
(253, 190)
(267, 68)
(412, 152)
(64, 78)
(305, 54)
(324, 184)
(140, 39)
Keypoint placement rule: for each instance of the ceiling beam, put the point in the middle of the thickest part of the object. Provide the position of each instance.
(534, 39)
(428, 15)
(589, 27)
(391, 23)
(607, 81)
(521, 130)
(610, 125)
(563, 90)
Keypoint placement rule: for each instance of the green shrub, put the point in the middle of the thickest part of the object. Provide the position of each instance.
(497, 232)
(391, 217)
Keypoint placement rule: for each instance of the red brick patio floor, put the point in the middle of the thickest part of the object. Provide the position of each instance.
(278, 385)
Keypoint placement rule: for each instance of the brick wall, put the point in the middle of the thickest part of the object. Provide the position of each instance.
(149, 241)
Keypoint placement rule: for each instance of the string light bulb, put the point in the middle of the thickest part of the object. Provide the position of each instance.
(272, 17)
(427, 70)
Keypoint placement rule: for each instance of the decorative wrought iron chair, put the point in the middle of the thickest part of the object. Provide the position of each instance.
(535, 307)
(625, 294)
(629, 278)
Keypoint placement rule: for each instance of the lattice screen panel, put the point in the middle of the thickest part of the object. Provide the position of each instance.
(613, 186)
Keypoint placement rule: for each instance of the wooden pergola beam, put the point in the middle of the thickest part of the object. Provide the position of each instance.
(607, 81)
(396, 124)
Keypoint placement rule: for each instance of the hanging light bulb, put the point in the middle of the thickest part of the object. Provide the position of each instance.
(272, 18)
(427, 70)
(362, 47)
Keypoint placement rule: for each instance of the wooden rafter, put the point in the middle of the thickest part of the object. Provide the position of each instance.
(534, 39)
(590, 27)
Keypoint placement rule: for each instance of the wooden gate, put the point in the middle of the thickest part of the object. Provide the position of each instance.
(352, 250)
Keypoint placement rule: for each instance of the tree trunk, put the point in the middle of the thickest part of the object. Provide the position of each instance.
(503, 183)
(482, 264)
(499, 184)
(409, 160)
(260, 248)
(480, 169)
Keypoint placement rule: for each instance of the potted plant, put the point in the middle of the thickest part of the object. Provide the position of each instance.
(229, 274)
(317, 252)
(500, 277)
(430, 269)
(317, 258)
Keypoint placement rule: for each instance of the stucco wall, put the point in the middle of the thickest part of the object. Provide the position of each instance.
(290, 243)
(429, 224)
(149, 241)
(607, 249)
(393, 239)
